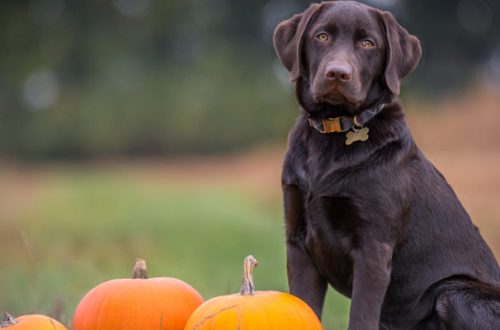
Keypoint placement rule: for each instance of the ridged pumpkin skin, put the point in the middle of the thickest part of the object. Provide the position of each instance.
(139, 303)
(254, 310)
(266, 310)
(35, 322)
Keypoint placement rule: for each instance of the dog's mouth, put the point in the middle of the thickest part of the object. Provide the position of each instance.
(336, 96)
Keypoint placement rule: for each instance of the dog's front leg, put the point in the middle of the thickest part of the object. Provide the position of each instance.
(371, 277)
(304, 279)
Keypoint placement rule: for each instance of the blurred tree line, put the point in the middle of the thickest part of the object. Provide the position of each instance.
(95, 78)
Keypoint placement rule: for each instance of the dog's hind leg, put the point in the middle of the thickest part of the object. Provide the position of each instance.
(469, 305)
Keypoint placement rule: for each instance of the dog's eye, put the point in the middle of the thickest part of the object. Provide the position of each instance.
(367, 43)
(322, 36)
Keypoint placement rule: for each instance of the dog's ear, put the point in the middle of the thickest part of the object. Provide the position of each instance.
(288, 37)
(403, 52)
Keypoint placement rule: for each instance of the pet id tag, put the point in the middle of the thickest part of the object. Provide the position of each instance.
(357, 135)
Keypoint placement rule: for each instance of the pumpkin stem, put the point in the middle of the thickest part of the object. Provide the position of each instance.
(140, 270)
(247, 286)
(8, 320)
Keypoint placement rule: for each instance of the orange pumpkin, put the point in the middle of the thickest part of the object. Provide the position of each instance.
(30, 322)
(137, 303)
(252, 309)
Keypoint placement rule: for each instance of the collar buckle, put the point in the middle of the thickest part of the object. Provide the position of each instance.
(343, 123)
(328, 125)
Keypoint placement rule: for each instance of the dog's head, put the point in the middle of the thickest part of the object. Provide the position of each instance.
(345, 53)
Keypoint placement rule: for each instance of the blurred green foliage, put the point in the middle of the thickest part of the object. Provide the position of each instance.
(87, 225)
(125, 77)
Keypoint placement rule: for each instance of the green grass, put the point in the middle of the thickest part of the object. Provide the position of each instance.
(85, 226)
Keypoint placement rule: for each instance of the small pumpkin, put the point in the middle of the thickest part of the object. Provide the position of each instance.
(138, 303)
(252, 309)
(30, 322)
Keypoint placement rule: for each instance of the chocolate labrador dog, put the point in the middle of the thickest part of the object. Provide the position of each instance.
(365, 210)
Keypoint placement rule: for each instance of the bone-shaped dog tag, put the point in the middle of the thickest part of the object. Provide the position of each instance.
(359, 135)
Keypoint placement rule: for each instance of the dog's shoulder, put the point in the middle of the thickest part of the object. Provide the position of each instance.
(294, 165)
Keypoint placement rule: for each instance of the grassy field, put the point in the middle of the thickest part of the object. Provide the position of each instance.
(69, 228)
(66, 227)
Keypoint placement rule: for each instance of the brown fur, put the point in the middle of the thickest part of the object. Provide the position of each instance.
(375, 219)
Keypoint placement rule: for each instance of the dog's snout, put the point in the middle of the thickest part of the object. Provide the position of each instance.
(338, 72)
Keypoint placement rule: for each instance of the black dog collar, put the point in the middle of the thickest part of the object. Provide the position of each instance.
(344, 123)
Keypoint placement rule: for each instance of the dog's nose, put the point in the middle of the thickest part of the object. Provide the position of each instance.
(338, 72)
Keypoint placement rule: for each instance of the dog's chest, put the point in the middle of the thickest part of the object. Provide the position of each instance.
(331, 233)
(330, 214)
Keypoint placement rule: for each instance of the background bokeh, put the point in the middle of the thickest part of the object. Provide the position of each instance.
(156, 128)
